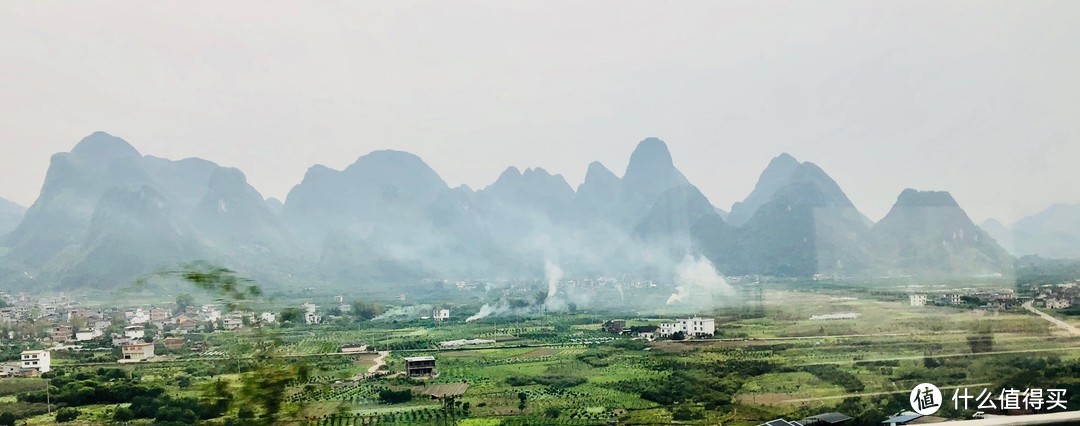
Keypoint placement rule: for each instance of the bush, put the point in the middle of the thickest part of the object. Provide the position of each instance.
(123, 414)
(553, 381)
(7, 419)
(395, 397)
(67, 414)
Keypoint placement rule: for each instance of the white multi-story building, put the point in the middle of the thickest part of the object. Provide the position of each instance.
(36, 360)
(441, 314)
(917, 299)
(691, 327)
(134, 332)
(233, 321)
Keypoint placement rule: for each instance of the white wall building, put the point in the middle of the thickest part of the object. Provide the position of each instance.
(37, 360)
(83, 336)
(134, 332)
(441, 314)
(691, 327)
(917, 299)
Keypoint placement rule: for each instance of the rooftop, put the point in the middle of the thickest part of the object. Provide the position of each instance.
(419, 358)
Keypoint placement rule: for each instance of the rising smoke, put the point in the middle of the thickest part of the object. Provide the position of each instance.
(697, 282)
(554, 301)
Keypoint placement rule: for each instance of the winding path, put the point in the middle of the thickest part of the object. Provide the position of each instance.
(1062, 324)
(379, 362)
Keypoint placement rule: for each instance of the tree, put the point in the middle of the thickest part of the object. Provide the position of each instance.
(293, 315)
(264, 386)
(7, 419)
(183, 300)
(678, 335)
(365, 311)
(522, 396)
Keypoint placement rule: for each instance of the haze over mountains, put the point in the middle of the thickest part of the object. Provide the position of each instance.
(1053, 233)
(108, 215)
(10, 215)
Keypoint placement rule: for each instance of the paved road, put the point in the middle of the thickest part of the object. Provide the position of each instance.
(1062, 324)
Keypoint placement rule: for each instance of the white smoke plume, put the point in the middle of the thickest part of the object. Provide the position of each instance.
(696, 279)
(486, 311)
(405, 313)
(554, 274)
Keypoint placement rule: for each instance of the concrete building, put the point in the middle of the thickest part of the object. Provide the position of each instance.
(917, 299)
(691, 327)
(355, 348)
(36, 360)
(61, 333)
(233, 321)
(615, 326)
(136, 352)
(88, 335)
(135, 332)
(159, 315)
(441, 314)
(953, 299)
(420, 366)
(174, 343)
(267, 318)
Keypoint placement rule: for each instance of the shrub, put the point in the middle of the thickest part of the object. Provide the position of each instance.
(395, 397)
(7, 419)
(123, 414)
(66, 414)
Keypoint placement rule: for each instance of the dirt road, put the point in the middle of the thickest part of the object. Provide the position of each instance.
(1061, 324)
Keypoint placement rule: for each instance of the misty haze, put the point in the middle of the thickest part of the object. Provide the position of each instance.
(516, 213)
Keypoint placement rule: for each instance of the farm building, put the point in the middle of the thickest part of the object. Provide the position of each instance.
(691, 327)
(36, 360)
(441, 314)
(174, 343)
(827, 419)
(420, 366)
(136, 352)
(615, 326)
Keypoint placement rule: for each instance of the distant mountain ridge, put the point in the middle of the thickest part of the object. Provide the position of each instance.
(108, 215)
(928, 232)
(10, 215)
(1051, 233)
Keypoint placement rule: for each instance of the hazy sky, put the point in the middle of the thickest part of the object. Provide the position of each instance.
(979, 98)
